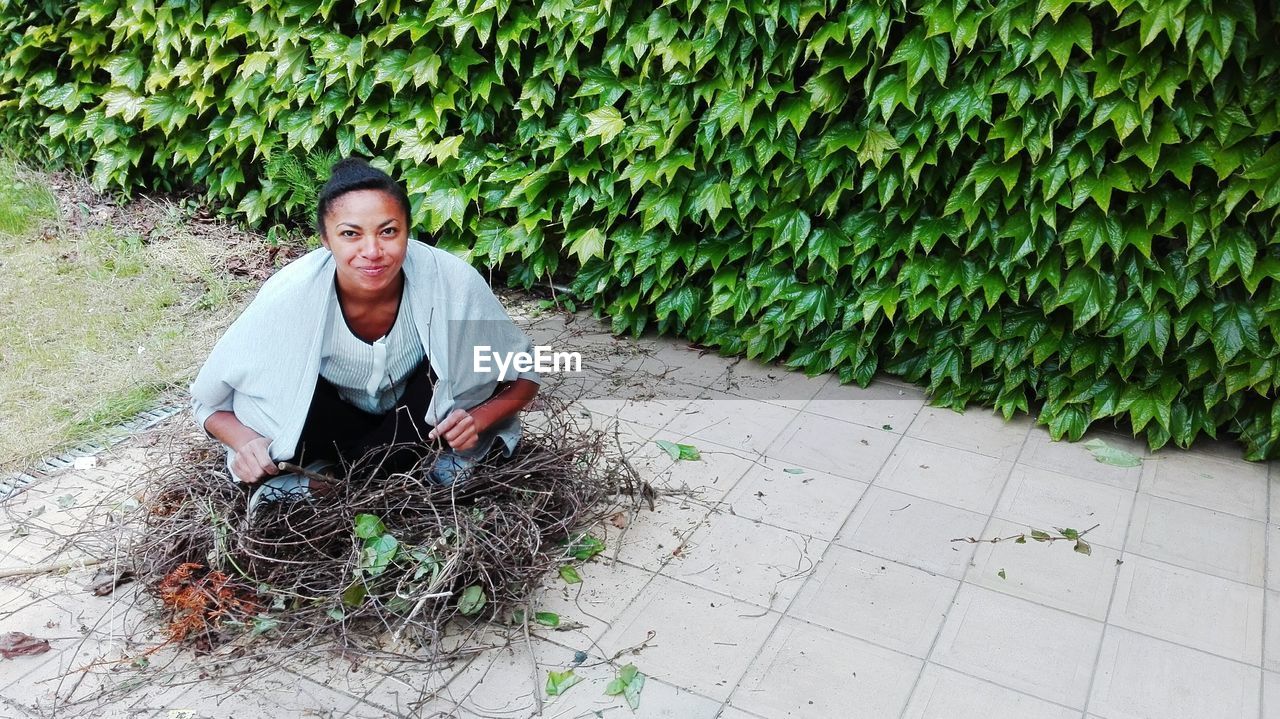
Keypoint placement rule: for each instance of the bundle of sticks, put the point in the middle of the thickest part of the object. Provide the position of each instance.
(377, 552)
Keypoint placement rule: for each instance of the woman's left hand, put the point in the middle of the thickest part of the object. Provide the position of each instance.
(459, 429)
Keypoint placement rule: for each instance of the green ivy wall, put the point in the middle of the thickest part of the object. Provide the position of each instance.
(1061, 207)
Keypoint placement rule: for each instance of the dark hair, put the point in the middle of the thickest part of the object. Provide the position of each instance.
(355, 173)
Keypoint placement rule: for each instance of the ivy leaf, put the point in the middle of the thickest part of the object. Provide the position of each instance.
(876, 144)
(922, 54)
(1233, 248)
(445, 204)
(1163, 17)
(1075, 31)
(629, 683)
(1235, 327)
(446, 148)
(126, 70)
(559, 682)
(712, 199)
(585, 547)
(605, 123)
(123, 103)
(378, 553)
(472, 600)
(547, 619)
(679, 452)
(423, 66)
(369, 526)
(1114, 456)
(586, 244)
(790, 227)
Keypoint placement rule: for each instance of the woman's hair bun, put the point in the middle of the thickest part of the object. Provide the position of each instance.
(355, 173)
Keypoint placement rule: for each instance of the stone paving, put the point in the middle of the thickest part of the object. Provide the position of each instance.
(807, 569)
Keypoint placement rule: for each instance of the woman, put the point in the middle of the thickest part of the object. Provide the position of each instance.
(367, 341)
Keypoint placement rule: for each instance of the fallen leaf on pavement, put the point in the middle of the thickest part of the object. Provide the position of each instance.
(17, 644)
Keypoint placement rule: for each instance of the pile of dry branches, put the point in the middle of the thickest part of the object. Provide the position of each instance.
(378, 552)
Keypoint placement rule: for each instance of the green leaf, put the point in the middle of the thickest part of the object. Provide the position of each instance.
(472, 600)
(354, 595)
(790, 227)
(679, 451)
(629, 683)
(122, 102)
(632, 691)
(712, 199)
(1235, 327)
(559, 682)
(876, 145)
(1075, 31)
(605, 123)
(127, 71)
(446, 148)
(263, 624)
(1083, 547)
(1233, 248)
(1039, 536)
(547, 619)
(921, 55)
(585, 547)
(369, 526)
(445, 204)
(378, 553)
(587, 244)
(1106, 454)
(570, 575)
(1069, 533)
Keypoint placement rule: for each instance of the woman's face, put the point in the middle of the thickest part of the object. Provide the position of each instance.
(368, 234)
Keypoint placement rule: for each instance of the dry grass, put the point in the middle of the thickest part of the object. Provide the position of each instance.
(107, 306)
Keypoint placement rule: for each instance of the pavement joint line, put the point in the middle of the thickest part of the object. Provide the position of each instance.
(1266, 589)
(11, 485)
(1115, 583)
(933, 645)
(786, 611)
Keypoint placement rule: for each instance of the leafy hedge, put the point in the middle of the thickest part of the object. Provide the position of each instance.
(1055, 206)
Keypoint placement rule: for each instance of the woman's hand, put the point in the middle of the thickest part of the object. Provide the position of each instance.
(459, 429)
(253, 461)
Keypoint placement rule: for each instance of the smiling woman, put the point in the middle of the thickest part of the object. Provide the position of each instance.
(360, 344)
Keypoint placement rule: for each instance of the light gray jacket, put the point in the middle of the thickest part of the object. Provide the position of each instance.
(264, 368)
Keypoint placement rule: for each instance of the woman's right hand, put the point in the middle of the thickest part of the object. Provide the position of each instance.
(253, 460)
